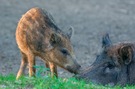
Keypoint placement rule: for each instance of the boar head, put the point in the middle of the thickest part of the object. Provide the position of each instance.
(114, 65)
(62, 52)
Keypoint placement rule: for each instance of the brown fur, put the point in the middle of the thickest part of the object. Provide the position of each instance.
(38, 35)
(122, 53)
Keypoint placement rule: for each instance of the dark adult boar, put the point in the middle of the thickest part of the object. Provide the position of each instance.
(38, 35)
(114, 65)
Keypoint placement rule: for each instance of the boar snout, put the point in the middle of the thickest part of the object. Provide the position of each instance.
(73, 69)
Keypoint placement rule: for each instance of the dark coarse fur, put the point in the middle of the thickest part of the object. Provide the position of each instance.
(115, 65)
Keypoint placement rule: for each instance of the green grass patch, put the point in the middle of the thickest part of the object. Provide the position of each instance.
(47, 82)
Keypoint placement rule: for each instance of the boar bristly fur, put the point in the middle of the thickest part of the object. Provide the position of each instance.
(115, 65)
(38, 35)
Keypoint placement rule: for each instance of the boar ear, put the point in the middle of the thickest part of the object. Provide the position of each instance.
(70, 32)
(126, 54)
(106, 40)
(55, 39)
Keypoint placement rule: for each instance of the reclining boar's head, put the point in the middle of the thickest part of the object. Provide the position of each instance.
(113, 66)
(62, 53)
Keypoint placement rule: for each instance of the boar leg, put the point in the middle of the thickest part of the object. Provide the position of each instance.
(31, 61)
(53, 69)
(47, 65)
(23, 65)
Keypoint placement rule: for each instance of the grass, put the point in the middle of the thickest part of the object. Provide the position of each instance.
(47, 82)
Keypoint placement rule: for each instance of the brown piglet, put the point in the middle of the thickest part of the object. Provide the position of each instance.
(38, 35)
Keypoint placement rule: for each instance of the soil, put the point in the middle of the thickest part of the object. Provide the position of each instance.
(90, 19)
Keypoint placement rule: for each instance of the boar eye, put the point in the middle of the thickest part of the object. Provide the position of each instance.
(110, 66)
(64, 51)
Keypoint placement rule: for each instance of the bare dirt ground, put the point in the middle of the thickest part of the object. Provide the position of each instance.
(90, 19)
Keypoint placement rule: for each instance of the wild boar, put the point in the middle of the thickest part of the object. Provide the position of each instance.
(115, 65)
(38, 35)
